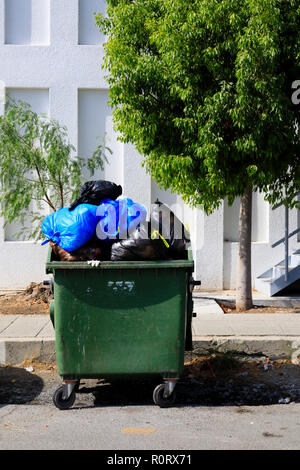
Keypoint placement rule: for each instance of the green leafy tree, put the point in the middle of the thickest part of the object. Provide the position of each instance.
(36, 165)
(203, 89)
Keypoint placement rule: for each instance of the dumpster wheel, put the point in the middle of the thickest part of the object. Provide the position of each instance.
(160, 397)
(61, 402)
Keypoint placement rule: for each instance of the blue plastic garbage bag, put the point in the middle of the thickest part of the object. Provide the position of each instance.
(118, 218)
(71, 230)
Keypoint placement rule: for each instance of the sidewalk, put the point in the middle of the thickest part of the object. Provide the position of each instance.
(274, 335)
(227, 297)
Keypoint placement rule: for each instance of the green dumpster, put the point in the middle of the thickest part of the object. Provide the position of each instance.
(122, 319)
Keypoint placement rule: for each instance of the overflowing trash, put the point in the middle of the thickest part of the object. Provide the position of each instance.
(163, 238)
(101, 226)
(166, 226)
(71, 230)
(117, 218)
(140, 246)
(89, 251)
(94, 192)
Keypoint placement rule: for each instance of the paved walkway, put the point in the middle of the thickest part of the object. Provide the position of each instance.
(210, 321)
(259, 299)
(28, 336)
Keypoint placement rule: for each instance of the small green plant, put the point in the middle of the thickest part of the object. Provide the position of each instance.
(37, 165)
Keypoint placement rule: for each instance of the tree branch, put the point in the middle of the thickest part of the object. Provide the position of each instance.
(43, 187)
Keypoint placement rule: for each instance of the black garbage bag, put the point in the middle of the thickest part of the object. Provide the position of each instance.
(170, 229)
(139, 247)
(93, 192)
(163, 238)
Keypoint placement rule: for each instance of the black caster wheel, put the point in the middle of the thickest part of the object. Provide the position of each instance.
(76, 388)
(160, 400)
(60, 402)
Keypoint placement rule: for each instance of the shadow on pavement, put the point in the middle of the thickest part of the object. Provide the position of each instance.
(18, 386)
(213, 380)
(249, 383)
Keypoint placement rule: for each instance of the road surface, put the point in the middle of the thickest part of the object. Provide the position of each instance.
(249, 408)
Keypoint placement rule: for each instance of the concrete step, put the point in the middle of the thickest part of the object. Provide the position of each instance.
(295, 258)
(273, 280)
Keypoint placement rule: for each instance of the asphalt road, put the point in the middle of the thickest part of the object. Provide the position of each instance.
(44, 427)
(239, 409)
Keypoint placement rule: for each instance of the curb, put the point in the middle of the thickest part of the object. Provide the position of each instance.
(15, 351)
(274, 347)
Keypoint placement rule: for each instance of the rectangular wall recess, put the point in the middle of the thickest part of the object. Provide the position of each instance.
(27, 22)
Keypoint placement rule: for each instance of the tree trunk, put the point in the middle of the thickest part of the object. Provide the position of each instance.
(243, 279)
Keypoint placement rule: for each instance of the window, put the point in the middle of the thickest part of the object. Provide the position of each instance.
(39, 101)
(27, 22)
(88, 31)
(95, 124)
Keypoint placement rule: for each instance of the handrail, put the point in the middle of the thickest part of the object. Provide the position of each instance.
(285, 239)
(282, 240)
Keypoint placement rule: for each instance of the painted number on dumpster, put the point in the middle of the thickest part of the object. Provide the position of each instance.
(124, 287)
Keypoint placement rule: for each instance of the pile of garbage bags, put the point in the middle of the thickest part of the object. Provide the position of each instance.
(99, 225)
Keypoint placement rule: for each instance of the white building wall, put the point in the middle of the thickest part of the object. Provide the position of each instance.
(268, 227)
(51, 55)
